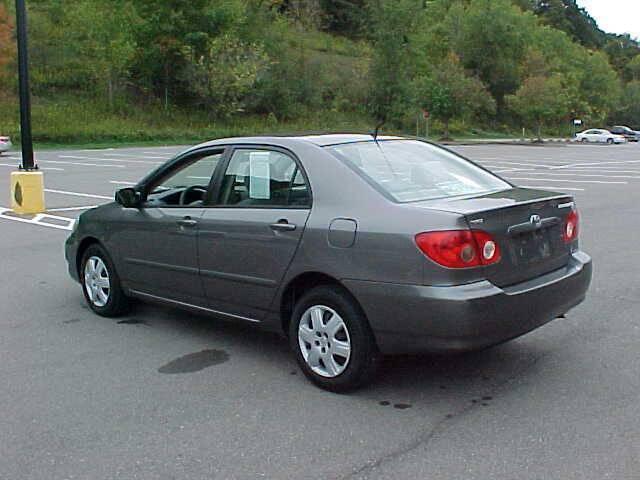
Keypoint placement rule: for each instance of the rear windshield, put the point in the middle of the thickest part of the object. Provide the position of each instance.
(411, 171)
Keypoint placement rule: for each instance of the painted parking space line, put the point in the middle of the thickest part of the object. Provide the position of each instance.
(566, 180)
(58, 162)
(522, 164)
(581, 175)
(71, 209)
(77, 194)
(56, 169)
(572, 189)
(115, 160)
(41, 219)
(134, 155)
(583, 164)
(121, 182)
(164, 155)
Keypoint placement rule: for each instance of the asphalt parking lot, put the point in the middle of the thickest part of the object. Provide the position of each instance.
(164, 394)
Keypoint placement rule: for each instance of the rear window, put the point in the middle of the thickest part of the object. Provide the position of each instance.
(411, 171)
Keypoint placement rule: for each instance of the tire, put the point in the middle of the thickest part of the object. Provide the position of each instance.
(343, 369)
(583, 140)
(107, 298)
(610, 141)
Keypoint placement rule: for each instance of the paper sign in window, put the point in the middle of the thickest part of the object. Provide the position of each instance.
(259, 173)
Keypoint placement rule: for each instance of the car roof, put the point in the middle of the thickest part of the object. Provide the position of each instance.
(289, 141)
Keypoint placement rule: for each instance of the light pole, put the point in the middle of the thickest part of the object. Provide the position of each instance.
(28, 162)
(27, 184)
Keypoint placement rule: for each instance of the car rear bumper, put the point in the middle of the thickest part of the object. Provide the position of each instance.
(416, 318)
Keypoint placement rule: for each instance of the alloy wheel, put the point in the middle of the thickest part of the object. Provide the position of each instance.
(324, 341)
(96, 281)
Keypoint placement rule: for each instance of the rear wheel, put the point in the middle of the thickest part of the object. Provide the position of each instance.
(610, 141)
(101, 284)
(332, 340)
(583, 140)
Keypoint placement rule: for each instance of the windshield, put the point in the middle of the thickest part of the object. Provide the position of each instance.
(411, 171)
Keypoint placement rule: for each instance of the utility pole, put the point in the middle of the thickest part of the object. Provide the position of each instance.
(28, 162)
(27, 184)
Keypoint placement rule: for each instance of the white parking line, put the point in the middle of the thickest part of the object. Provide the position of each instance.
(558, 187)
(45, 168)
(528, 164)
(121, 182)
(583, 164)
(83, 164)
(580, 175)
(77, 194)
(109, 160)
(132, 155)
(71, 209)
(566, 180)
(169, 155)
(39, 219)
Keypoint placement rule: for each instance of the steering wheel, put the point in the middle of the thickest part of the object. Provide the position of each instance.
(187, 191)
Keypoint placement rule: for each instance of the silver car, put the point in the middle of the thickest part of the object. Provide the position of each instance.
(5, 144)
(595, 135)
(351, 246)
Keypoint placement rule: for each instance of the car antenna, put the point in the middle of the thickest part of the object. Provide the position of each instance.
(374, 134)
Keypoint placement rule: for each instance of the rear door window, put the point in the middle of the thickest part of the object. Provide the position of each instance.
(263, 178)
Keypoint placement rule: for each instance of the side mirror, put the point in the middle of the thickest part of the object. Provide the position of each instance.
(128, 197)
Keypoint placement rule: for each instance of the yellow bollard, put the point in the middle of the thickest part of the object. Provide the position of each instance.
(27, 192)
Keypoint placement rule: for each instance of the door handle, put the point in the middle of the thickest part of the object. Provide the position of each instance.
(283, 226)
(187, 222)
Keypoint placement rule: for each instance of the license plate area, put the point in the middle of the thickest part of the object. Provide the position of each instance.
(532, 247)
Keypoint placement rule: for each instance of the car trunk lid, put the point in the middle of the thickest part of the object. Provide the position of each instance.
(527, 224)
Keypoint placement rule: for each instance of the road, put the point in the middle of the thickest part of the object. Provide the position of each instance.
(164, 394)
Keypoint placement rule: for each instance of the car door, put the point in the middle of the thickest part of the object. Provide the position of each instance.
(158, 240)
(249, 237)
(603, 136)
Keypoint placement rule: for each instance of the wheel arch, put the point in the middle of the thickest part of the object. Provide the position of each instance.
(301, 284)
(82, 247)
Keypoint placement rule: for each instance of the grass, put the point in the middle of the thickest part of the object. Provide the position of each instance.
(83, 122)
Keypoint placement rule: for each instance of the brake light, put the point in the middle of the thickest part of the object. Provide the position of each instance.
(571, 224)
(459, 248)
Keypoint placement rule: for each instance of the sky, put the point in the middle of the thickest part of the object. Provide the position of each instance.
(615, 16)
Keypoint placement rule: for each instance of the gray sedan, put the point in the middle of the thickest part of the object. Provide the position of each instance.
(354, 247)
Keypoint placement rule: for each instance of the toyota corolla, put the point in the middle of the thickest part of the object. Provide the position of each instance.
(352, 246)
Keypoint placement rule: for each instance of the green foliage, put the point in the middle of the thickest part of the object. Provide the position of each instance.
(492, 43)
(139, 68)
(541, 100)
(448, 92)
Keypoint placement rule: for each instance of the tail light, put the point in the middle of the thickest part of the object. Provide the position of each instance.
(459, 248)
(571, 224)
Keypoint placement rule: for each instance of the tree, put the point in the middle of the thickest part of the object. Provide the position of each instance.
(222, 79)
(393, 21)
(493, 43)
(103, 34)
(633, 68)
(7, 44)
(540, 100)
(448, 93)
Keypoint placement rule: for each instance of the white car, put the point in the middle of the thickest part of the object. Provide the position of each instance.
(599, 136)
(5, 144)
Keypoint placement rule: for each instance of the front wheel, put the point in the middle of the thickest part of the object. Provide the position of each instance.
(101, 284)
(332, 340)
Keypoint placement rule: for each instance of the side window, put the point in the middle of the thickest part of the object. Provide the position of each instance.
(187, 185)
(263, 178)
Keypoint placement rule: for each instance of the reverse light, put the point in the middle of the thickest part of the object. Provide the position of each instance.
(570, 231)
(459, 248)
